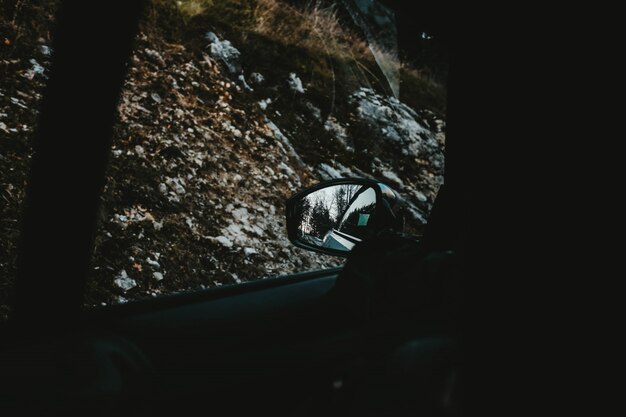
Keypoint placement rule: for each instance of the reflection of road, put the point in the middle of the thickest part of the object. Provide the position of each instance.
(311, 240)
(334, 239)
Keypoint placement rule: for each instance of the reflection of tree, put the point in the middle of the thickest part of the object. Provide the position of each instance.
(342, 196)
(319, 211)
(303, 214)
(314, 216)
(321, 220)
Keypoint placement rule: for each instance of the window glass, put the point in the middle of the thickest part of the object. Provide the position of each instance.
(230, 107)
(25, 55)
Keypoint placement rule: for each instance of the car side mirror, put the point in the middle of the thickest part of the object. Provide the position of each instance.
(333, 216)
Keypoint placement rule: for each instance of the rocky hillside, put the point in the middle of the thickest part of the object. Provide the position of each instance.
(217, 127)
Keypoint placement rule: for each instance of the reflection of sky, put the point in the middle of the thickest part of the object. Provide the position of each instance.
(366, 198)
(327, 197)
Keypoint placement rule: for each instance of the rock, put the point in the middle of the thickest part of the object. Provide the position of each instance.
(37, 69)
(295, 83)
(225, 52)
(241, 214)
(244, 84)
(139, 151)
(395, 123)
(257, 78)
(45, 50)
(211, 37)
(288, 170)
(391, 176)
(176, 184)
(285, 142)
(226, 242)
(153, 263)
(190, 223)
(18, 103)
(327, 172)
(158, 276)
(264, 103)
(420, 196)
(315, 111)
(124, 281)
(339, 133)
(156, 57)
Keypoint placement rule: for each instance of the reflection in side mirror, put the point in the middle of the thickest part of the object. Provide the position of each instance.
(333, 216)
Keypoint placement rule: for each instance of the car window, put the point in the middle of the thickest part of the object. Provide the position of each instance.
(228, 108)
(25, 56)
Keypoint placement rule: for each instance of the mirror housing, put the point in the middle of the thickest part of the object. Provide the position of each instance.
(333, 216)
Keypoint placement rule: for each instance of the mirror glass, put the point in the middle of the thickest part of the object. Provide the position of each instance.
(336, 217)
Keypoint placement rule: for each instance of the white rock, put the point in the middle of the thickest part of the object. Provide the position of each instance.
(420, 196)
(224, 241)
(139, 151)
(339, 132)
(264, 103)
(242, 81)
(287, 169)
(327, 172)
(37, 68)
(390, 175)
(45, 50)
(396, 122)
(176, 184)
(211, 37)
(241, 214)
(18, 102)
(224, 51)
(124, 281)
(152, 263)
(295, 83)
(155, 55)
(158, 276)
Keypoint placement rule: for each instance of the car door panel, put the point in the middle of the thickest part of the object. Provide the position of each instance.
(289, 342)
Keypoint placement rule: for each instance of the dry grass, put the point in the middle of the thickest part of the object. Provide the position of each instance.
(313, 39)
(316, 27)
(192, 8)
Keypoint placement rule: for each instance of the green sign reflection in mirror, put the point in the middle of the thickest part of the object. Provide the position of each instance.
(336, 217)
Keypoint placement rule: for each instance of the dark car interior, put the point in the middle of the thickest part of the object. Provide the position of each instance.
(381, 336)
